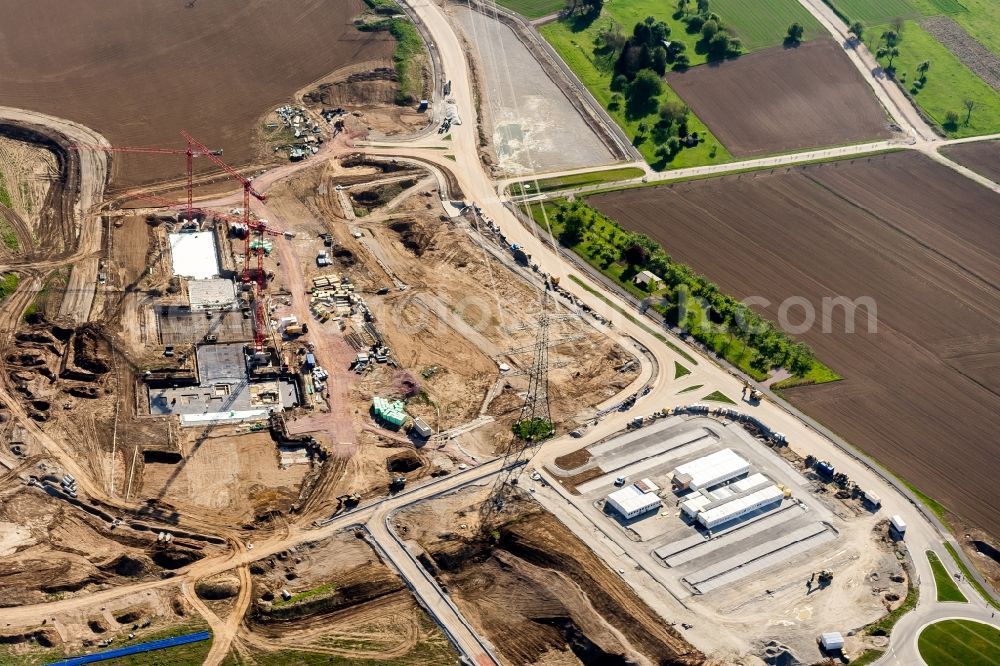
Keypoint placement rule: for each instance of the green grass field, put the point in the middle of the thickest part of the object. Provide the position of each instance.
(764, 23)
(872, 12)
(533, 8)
(960, 643)
(759, 23)
(680, 370)
(8, 236)
(949, 83)
(573, 40)
(968, 576)
(8, 283)
(980, 18)
(719, 396)
(576, 180)
(947, 589)
(982, 21)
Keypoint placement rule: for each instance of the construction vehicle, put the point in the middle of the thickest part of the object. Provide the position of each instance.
(349, 501)
(824, 469)
(398, 483)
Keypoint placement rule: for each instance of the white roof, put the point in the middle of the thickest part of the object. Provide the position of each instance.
(721, 493)
(648, 276)
(832, 640)
(193, 255)
(734, 507)
(743, 485)
(696, 503)
(708, 468)
(631, 499)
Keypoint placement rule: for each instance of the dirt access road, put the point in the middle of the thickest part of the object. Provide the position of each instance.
(806, 435)
(479, 187)
(93, 174)
(887, 92)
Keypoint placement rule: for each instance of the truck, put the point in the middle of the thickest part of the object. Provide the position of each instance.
(824, 469)
(897, 525)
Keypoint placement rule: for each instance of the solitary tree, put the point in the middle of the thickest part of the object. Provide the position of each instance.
(891, 38)
(857, 29)
(922, 69)
(897, 24)
(951, 120)
(795, 32)
(968, 110)
(888, 52)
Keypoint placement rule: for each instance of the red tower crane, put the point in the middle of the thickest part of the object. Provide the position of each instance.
(190, 152)
(255, 225)
(251, 225)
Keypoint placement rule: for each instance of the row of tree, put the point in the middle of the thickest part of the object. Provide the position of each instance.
(687, 300)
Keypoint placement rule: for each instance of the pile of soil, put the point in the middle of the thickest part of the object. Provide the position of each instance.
(223, 587)
(413, 236)
(91, 351)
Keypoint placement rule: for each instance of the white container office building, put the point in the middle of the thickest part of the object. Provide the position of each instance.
(633, 501)
(740, 506)
(710, 470)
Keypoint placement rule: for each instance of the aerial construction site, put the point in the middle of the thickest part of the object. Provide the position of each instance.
(316, 349)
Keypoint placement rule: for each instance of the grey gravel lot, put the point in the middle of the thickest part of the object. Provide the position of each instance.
(535, 127)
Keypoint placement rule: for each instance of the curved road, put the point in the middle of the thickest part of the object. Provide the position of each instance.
(804, 435)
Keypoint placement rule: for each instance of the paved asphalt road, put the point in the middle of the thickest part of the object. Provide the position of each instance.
(478, 186)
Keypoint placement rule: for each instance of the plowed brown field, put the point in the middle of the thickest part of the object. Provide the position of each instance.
(783, 99)
(922, 394)
(983, 157)
(139, 72)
